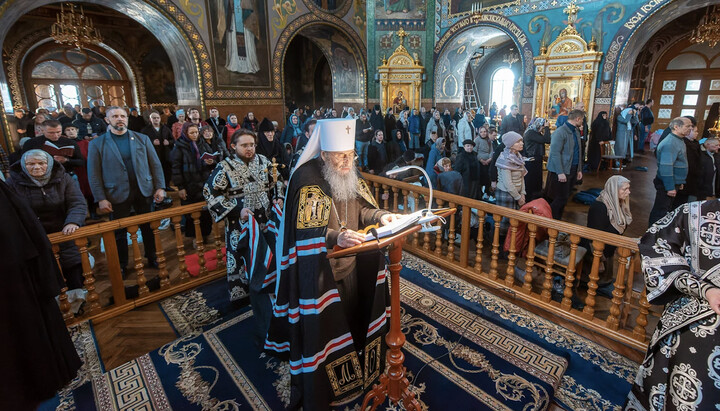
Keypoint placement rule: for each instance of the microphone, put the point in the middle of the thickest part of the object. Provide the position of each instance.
(427, 214)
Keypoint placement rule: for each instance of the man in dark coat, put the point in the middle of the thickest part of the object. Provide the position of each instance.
(64, 150)
(709, 181)
(161, 137)
(512, 122)
(215, 121)
(89, 124)
(136, 122)
(693, 153)
(376, 118)
(37, 356)
(343, 316)
(467, 164)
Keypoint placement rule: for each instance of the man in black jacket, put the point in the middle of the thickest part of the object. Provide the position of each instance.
(363, 135)
(161, 137)
(89, 124)
(512, 122)
(709, 181)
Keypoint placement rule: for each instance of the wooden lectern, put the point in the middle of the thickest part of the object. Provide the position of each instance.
(393, 383)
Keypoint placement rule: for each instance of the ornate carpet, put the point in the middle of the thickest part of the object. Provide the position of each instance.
(466, 349)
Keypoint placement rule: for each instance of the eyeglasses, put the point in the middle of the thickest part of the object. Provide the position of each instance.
(347, 155)
(248, 145)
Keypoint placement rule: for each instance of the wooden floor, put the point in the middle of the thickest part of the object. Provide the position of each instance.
(145, 329)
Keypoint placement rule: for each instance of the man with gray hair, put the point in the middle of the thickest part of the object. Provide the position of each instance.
(672, 168)
(124, 174)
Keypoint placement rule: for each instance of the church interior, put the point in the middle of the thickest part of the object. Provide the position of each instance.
(496, 307)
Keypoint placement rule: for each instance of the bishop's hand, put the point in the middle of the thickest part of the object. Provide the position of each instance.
(389, 218)
(712, 296)
(349, 238)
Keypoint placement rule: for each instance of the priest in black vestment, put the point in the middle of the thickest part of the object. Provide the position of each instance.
(37, 356)
(330, 316)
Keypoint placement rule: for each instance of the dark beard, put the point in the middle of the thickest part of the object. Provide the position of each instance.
(344, 188)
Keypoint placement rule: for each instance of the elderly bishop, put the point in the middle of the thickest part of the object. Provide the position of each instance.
(329, 318)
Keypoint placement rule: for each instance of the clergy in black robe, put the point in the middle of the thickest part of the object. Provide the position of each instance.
(680, 256)
(37, 356)
(330, 316)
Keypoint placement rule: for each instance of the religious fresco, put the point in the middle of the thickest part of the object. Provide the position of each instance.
(401, 9)
(346, 68)
(282, 9)
(157, 71)
(239, 32)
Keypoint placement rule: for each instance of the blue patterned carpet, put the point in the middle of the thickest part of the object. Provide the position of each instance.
(490, 354)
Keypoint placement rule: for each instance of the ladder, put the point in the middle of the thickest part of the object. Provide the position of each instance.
(470, 97)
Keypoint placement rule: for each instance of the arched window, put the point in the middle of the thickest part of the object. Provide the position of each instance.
(502, 87)
(63, 75)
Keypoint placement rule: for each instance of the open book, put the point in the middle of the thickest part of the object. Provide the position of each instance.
(207, 155)
(396, 226)
(54, 150)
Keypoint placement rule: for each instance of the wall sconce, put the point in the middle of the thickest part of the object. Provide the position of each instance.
(528, 80)
(377, 77)
(424, 77)
(607, 76)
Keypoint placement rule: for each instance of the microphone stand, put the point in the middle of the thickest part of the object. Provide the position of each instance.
(428, 215)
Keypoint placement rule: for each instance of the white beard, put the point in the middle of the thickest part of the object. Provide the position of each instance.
(344, 187)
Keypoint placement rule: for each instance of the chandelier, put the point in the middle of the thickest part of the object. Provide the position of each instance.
(74, 28)
(511, 58)
(709, 29)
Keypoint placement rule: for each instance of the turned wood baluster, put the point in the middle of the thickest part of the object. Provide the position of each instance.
(589, 310)
(465, 228)
(137, 256)
(495, 247)
(439, 233)
(180, 244)
(619, 292)
(92, 299)
(395, 191)
(405, 195)
(160, 254)
(641, 322)
(479, 242)
(426, 237)
(570, 273)
(512, 257)
(377, 192)
(200, 243)
(63, 298)
(451, 237)
(218, 245)
(529, 258)
(386, 197)
(547, 285)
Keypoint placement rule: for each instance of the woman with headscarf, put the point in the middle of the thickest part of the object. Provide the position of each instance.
(56, 199)
(403, 125)
(446, 118)
(610, 213)
(599, 131)
(484, 151)
(536, 136)
(177, 126)
(268, 144)
(189, 173)
(510, 191)
(395, 146)
(231, 126)
(624, 137)
(216, 144)
(250, 122)
(292, 131)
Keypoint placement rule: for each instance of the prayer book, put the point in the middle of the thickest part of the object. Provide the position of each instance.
(396, 226)
(207, 155)
(54, 150)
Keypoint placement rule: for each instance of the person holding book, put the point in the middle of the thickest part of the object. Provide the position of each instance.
(87, 123)
(217, 146)
(189, 172)
(63, 150)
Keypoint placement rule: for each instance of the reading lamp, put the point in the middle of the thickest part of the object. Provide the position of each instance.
(428, 215)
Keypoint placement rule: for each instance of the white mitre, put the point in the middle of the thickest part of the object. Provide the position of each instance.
(333, 134)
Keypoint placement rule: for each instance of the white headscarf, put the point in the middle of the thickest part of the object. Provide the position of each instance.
(618, 210)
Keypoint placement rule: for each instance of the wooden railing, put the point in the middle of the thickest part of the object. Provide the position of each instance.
(624, 318)
(171, 281)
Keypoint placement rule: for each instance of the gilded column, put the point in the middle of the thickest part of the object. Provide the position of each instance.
(587, 87)
(384, 95)
(539, 104)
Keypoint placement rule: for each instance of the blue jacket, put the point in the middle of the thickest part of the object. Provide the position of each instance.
(672, 162)
(562, 147)
(108, 175)
(414, 124)
(434, 156)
